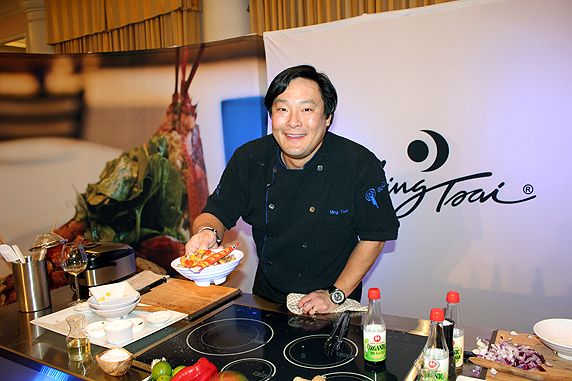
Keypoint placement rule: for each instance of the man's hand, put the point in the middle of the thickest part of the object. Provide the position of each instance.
(317, 302)
(205, 239)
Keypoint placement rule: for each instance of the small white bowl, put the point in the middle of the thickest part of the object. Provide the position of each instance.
(159, 317)
(556, 334)
(96, 330)
(119, 331)
(138, 324)
(213, 274)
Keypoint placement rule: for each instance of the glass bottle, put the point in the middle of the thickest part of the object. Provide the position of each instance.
(435, 352)
(453, 313)
(77, 340)
(374, 335)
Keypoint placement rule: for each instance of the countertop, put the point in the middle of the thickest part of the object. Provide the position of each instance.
(35, 347)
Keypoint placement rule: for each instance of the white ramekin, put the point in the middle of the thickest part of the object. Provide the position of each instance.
(118, 331)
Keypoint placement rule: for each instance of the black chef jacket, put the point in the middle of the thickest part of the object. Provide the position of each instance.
(306, 222)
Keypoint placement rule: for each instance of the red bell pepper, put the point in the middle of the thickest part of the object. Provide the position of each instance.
(201, 371)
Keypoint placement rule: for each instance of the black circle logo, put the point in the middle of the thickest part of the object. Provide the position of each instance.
(418, 151)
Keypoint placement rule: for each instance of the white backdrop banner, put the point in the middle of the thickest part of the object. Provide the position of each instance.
(470, 105)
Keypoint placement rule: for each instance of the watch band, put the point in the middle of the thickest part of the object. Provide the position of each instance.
(218, 241)
(337, 296)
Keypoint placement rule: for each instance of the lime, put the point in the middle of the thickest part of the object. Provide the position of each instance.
(164, 378)
(177, 369)
(160, 369)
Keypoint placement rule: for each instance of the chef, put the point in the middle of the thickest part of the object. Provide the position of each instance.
(318, 203)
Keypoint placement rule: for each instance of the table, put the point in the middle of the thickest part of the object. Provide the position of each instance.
(36, 348)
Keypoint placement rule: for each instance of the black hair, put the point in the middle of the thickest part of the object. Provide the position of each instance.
(282, 80)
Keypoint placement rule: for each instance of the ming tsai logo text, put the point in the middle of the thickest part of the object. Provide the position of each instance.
(454, 192)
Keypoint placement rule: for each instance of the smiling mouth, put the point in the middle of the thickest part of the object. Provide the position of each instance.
(292, 136)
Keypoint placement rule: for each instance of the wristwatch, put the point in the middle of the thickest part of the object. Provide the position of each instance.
(218, 241)
(336, 295)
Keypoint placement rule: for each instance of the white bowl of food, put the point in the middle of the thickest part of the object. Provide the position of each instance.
(115, 361)
(216, 273)
(118, 331)
(109, 294)
(556, 334)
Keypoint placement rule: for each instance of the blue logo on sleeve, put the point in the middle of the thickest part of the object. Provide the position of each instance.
(371, 193)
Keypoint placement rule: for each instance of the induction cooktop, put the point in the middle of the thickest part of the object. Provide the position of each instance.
(266, 345)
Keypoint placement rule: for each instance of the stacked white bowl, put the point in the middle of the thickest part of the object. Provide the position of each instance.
(113, 301)
(114, 309)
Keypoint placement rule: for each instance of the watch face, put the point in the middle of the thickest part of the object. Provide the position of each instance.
(337, 296)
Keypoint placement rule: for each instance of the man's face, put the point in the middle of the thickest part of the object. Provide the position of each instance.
(298, 121)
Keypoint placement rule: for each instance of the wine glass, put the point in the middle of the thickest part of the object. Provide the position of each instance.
(74, 261)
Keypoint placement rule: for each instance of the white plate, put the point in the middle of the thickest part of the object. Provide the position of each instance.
(56, 322)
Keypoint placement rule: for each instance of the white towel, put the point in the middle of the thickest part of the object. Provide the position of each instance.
(349, 304)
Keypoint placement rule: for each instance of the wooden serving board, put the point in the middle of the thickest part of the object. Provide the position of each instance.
(562, 369)
(186, 297)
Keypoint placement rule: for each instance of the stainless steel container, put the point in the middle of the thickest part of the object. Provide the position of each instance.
(31, 284)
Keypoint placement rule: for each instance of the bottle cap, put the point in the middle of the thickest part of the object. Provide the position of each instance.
(437, 314)
(453, 297)
(373, 293)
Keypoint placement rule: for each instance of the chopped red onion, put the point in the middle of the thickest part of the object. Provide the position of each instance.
(518, 355)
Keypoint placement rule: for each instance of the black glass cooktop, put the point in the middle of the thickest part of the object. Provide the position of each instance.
(266, 345)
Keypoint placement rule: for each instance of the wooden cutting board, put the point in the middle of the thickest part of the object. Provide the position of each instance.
(186, 297)
(561, 369)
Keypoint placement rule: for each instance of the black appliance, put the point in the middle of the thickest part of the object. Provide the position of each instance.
(107, 262)
(266, 345)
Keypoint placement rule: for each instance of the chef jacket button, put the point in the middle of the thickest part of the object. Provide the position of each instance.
(275, 169)
(305, 245)
(299, 275)
(269, 263)
(312, 209)
(271, 206)
(320, 167)
(270, 235)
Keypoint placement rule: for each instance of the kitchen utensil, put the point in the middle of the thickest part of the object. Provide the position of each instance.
(31, 284)
(146, 308)
(556, 334)
(213, 274)
(47, 241)
(8, 253)
(336, 338)
(19, 253)
(532, 375)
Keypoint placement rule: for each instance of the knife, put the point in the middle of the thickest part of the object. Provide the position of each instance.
(517, 371)
(148, 308)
